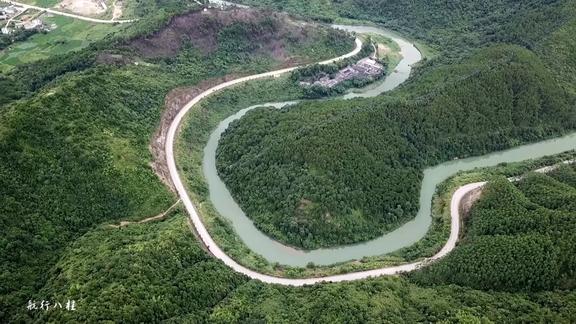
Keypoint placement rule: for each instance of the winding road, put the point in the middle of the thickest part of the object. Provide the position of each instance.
(461, 195)
(56, 12)
(219, 253)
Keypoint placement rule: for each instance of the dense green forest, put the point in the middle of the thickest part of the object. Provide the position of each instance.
(452, 26)
(16, 36)
(157, 272)
(334, 173)
(329, 173)
(74, 151)
(75, 131)
(519, 237)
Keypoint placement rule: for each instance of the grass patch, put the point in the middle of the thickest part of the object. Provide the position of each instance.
(41, 3)
(388, 50)
(70, 35)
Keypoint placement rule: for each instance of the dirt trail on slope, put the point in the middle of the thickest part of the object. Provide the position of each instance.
(149, 219)
(174, 102)
(84, 7)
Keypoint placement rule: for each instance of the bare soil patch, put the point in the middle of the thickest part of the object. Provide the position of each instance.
(466, 204)
(383, 50)
(468, 201)
(117, 10)
(175, 100)
(83, 7)
(201, 29)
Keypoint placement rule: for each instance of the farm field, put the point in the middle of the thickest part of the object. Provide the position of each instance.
(71, 34)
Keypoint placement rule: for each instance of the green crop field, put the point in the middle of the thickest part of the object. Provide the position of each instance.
(41, 3)
(70, 34)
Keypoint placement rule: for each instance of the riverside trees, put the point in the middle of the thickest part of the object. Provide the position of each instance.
(519, 237)
(338, 172)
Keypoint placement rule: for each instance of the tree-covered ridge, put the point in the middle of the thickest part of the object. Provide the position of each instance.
(338, 172)
(140, 273)
(445, 24)
(156, 272)
(519, 237)
(74, 152)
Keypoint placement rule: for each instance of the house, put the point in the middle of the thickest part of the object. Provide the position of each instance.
(11, 11)
(33, 24)
(365, 68)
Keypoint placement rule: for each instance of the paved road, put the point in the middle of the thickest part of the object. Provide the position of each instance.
(217, 251)
(455, 203)
(56, 12)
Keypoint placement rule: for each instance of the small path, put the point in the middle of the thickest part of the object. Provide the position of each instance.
(149, 219)
(116, 11)
(56, 12)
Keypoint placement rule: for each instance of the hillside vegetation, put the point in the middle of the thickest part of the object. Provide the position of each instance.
(74, 158)
(331, 173)
(326, 174)
(156, 272)
(519, 237)
(447, 25)
(74, 152)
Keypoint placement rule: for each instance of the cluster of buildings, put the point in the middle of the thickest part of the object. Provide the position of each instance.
(366, 68)
(223, 4)
(10, 19)
(9, 12)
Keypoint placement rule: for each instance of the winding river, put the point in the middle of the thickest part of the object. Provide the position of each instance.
(404, 236)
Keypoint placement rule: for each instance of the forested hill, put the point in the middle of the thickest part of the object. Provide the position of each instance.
(350, 170)
(445, 24)
(331, 173)
(74, 151)
(519, 237)
(157, 272)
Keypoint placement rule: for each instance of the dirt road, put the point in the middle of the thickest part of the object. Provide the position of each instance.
(56, 12)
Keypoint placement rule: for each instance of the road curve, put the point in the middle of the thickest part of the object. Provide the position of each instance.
(462, 193)
(56, 12)
(455, 203)
(217, 251)
(459, 195)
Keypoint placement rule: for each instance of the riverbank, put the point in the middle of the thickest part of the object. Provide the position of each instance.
(224, 235)
(224, 232)
(221, 228)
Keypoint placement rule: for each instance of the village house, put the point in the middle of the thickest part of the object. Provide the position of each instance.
(365, 68)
